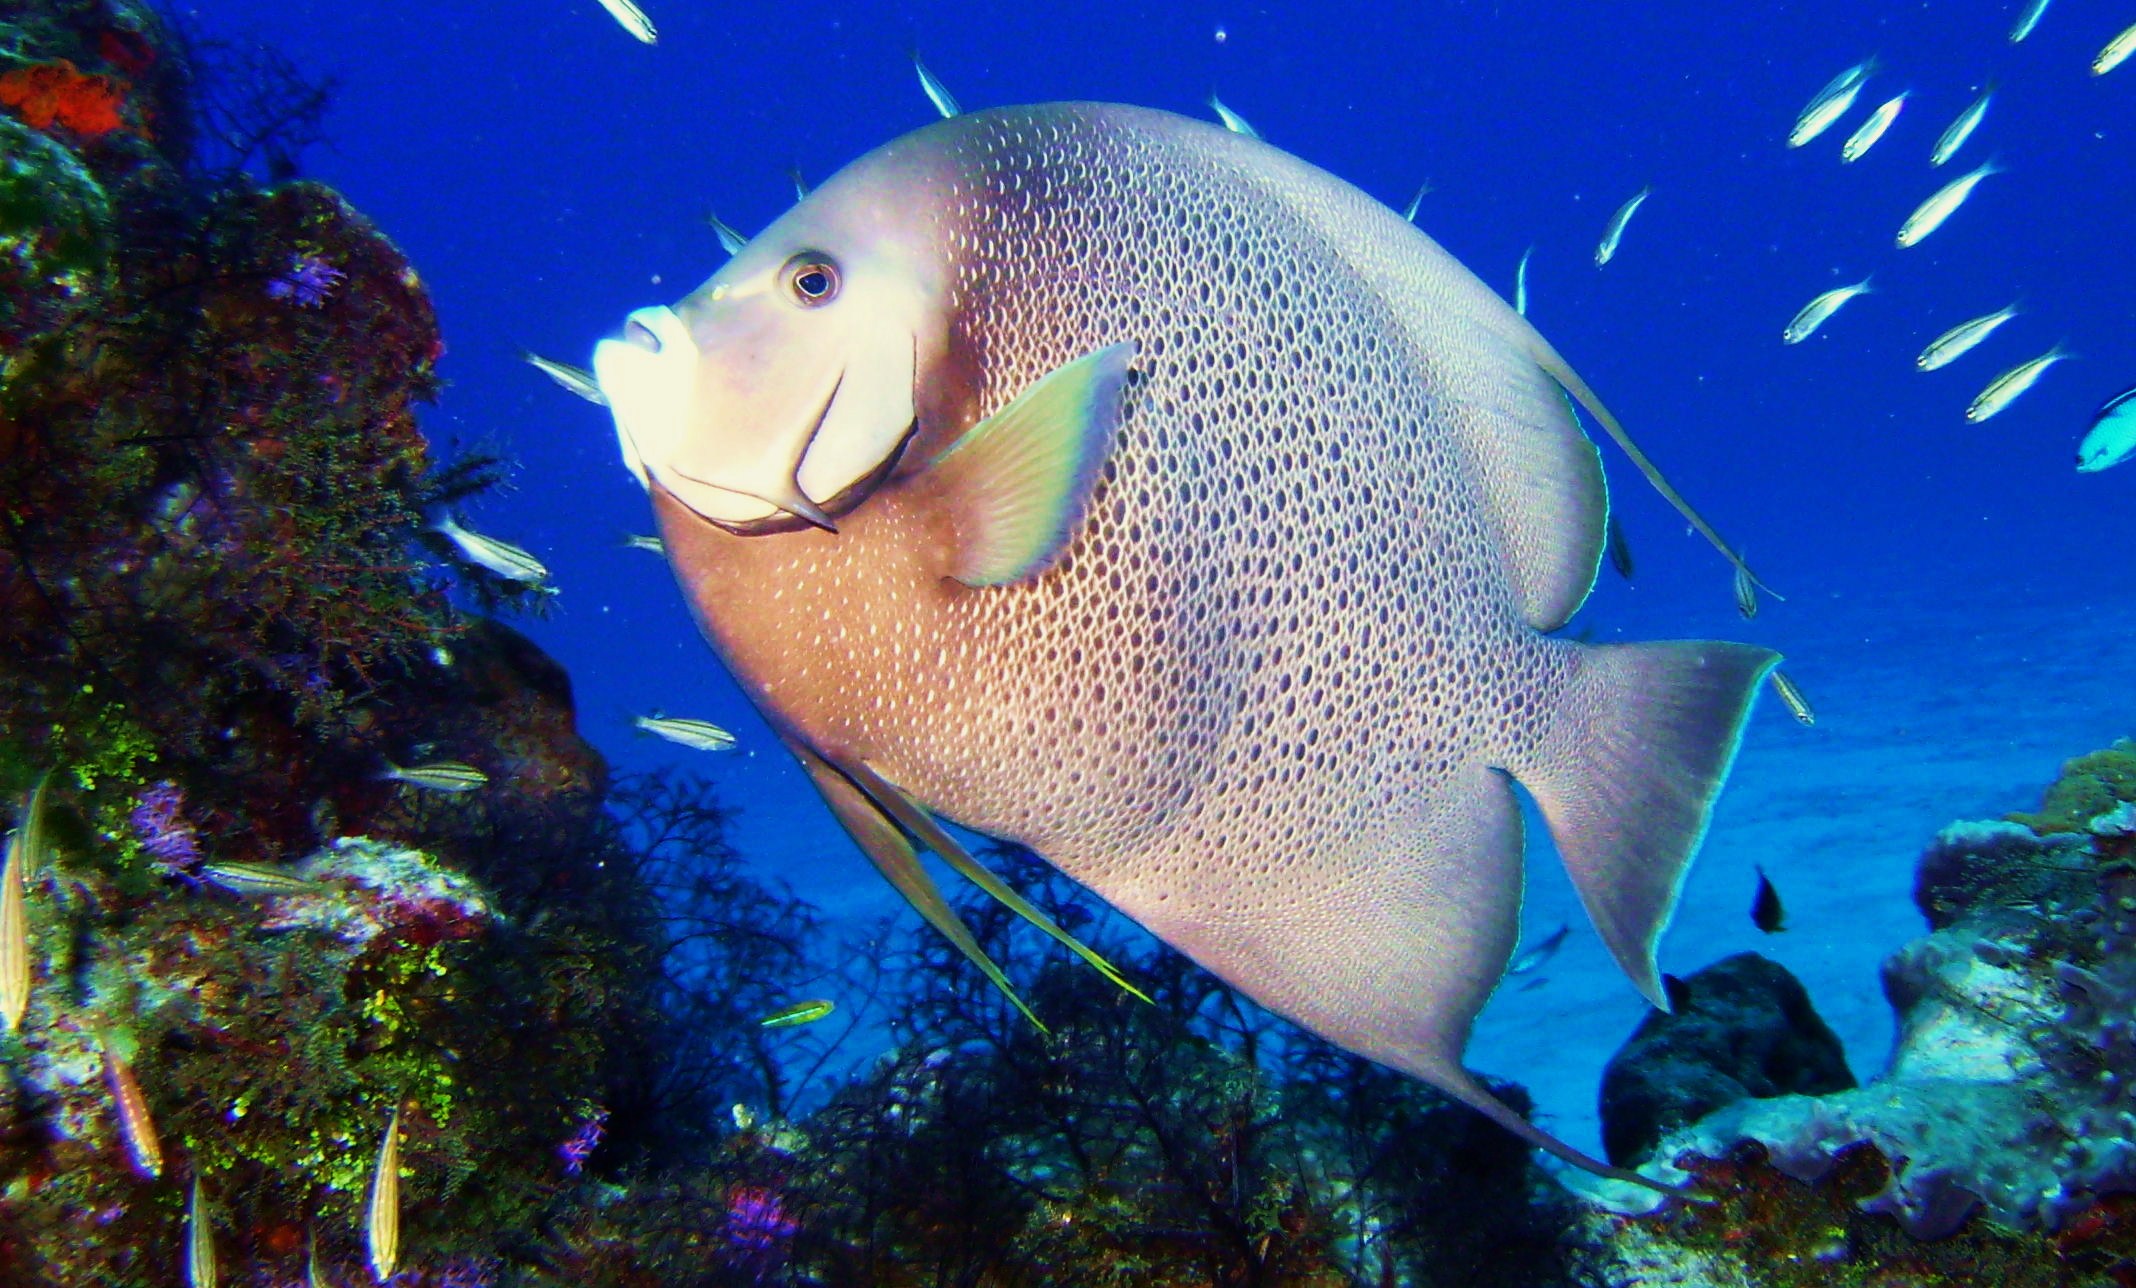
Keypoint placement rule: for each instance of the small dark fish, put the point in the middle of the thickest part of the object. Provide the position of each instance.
(1677, 992)
(1530, 985)
(1765, 911)
(1620, 549)
(1797, 705)
(1544, 950)
(799, 1013)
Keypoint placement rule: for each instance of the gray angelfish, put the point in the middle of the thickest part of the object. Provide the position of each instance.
(1216, 566)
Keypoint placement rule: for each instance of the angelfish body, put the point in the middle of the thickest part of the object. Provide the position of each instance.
(1265, 676)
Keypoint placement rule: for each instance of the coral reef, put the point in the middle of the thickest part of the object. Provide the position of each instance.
(1193, 1141)
(2008, 1096)
(1741, 1028)
(218, 625)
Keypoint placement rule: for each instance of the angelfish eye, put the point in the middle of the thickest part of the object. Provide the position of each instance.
(813, 279)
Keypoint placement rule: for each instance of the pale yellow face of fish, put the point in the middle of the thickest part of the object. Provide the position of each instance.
(831, 314)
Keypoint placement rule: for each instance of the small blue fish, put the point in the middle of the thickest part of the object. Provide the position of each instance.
(2112, 436)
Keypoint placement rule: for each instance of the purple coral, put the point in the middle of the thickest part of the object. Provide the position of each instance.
(757, 1228)
(308, 283)
(159, 821)
(582, 1143)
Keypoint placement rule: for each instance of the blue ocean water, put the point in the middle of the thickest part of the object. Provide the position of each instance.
(1957, 596)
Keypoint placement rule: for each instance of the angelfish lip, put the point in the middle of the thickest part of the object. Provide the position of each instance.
(641, 335)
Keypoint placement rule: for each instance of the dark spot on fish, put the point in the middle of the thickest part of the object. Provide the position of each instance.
(1765, 911)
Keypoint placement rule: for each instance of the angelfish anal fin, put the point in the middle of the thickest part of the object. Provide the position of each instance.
(894, 856)
(1018, 482)
(915, 819)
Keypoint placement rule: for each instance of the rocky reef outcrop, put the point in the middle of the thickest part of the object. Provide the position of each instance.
(1998, 1143)
(1741, 1029)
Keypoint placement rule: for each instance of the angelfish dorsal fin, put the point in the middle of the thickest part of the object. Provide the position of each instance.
(1017, 482)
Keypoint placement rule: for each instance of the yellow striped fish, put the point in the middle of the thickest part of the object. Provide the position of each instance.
(138, 1129)
(14, 937)
(381, 1219)
(199, 1241)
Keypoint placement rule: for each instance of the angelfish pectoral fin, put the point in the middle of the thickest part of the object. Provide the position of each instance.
(1019, 481)
(893, 855)
(921, 824)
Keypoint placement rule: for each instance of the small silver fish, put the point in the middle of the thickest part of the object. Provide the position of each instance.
(502, 558)
(633, 20)
(1232, 120)
(2112, 436)
(2117, 52)
(199, 1240)
(1410, 212)
(800, 184)
(1930, 214)
(1791, 697)
(577, 379)
(1955, 343)
(730, 237)
(135, 1126)
(639, 541)
(799, 1013)
(1868, 132)
(937, 93)
(438, 776)
(2005, 388)
(259, 879)
(1545, 948)
(1813, 315)
(1615, 232)
(14, 935)
(1962, 129)
(1520, 283)
(1746, 595)
(1830, 103)
(381, 1216)
(2029, 19)
(699, 735)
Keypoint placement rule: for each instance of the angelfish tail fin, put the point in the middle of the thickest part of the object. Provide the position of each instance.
(1627, 773)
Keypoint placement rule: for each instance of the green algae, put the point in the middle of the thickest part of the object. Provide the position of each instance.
(55, 240)
(2088, 786)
